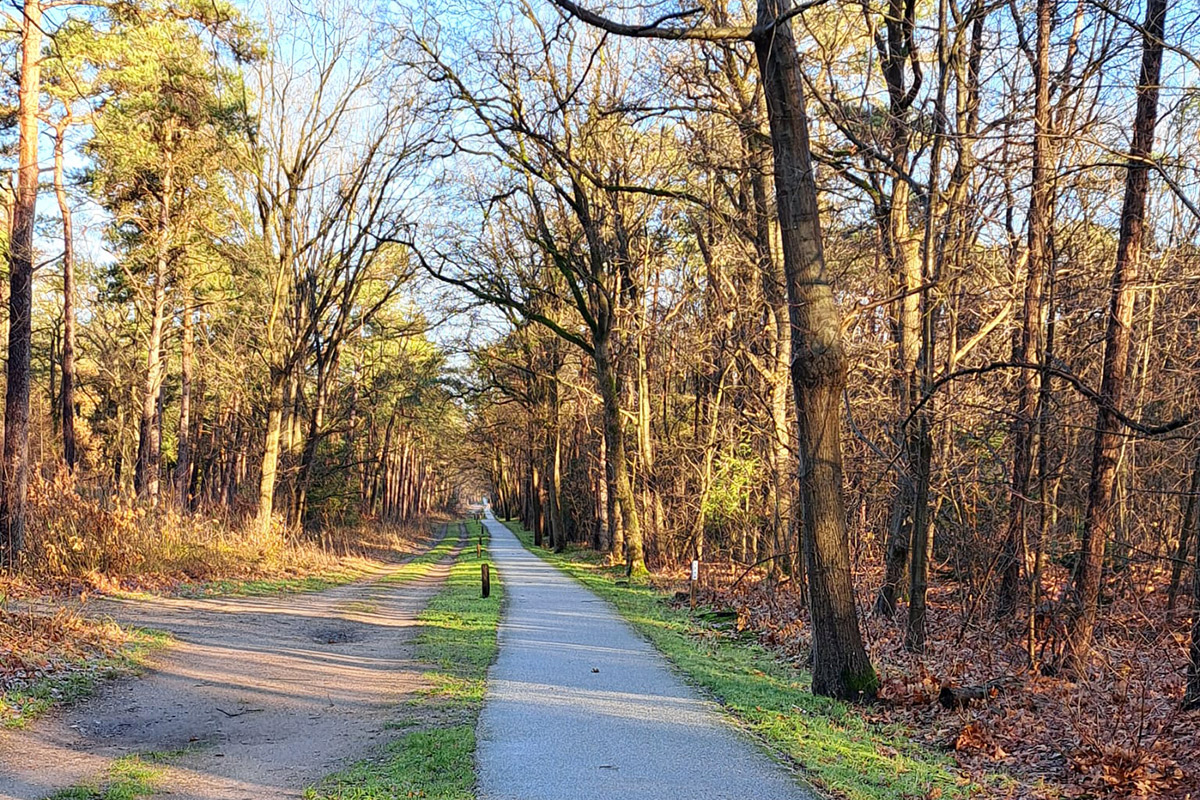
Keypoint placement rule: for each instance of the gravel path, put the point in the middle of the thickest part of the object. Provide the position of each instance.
(263, 696)
(579, 706)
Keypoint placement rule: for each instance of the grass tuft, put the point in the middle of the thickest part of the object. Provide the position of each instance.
(129, 778)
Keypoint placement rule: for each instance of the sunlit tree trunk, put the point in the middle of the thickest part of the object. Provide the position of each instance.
(610, 396)
(183, 465)
(14, 473)
(840, 664)
(270, 458)
(147, 474)
(67, 395)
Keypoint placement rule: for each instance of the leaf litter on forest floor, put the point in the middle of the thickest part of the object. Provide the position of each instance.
(1118, 732)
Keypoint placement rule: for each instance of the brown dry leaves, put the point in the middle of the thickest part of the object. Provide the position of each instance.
(35, 645)
(1117, 733)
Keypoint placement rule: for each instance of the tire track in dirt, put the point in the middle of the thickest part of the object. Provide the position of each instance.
(257, 698)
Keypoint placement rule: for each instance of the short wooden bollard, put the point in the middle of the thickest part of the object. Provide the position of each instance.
(486, 576)
(478, 551)
(695, 579)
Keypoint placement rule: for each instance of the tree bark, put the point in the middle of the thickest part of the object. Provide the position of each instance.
(146, 474)
(840, 664)
(610, 395)
(67, 395)
(558, 531)
(183, 465)
(1117, 343)
(897, 51)
(604, 534)
(919, 437)
(270, 458)
(1028, 348)
(15, 470)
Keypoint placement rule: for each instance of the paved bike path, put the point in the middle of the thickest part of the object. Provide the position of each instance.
(579, 706)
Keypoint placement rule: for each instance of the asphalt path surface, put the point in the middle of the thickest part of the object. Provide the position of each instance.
(579, 706)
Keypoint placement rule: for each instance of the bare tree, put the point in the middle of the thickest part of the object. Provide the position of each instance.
(1117, 344)
(840, 664)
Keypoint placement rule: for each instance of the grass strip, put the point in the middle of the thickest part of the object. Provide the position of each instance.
(420, 565)
(839, 751)
(329, 579)
(128, 778)
(20, 705)
(436, 760)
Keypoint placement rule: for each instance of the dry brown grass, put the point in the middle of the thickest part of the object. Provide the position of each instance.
(77, 542)
(34, 645)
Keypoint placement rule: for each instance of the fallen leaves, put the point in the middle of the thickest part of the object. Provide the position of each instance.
(36, 646)
(1115, 733)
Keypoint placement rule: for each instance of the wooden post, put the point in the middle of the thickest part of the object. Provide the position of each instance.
(695, 579)
(478, 550)
(486, 576)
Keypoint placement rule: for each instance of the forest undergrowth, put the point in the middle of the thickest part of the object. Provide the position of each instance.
(78, 544)
(1118, 732)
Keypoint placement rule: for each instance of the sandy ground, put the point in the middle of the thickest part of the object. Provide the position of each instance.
(261, 697)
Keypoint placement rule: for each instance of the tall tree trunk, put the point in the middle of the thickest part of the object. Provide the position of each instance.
(270, 457)
(14, 473)
(67, 408)
(610, 396)
(901, 246)
(558, 531)
(183, 466)
(1117, 341)
(840, 664)
(146, 475)
(919, 437)
(652, 507)
(1028, 347)
(604, 537)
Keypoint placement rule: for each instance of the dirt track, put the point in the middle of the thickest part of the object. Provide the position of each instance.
(261, 696)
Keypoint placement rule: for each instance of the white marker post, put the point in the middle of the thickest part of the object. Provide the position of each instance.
(695, 580)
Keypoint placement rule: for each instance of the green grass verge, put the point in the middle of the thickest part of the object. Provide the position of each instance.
(436, 761)
(836, 748)
(266, 587)
(21, 705)
(128, 778)
(420, 564)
